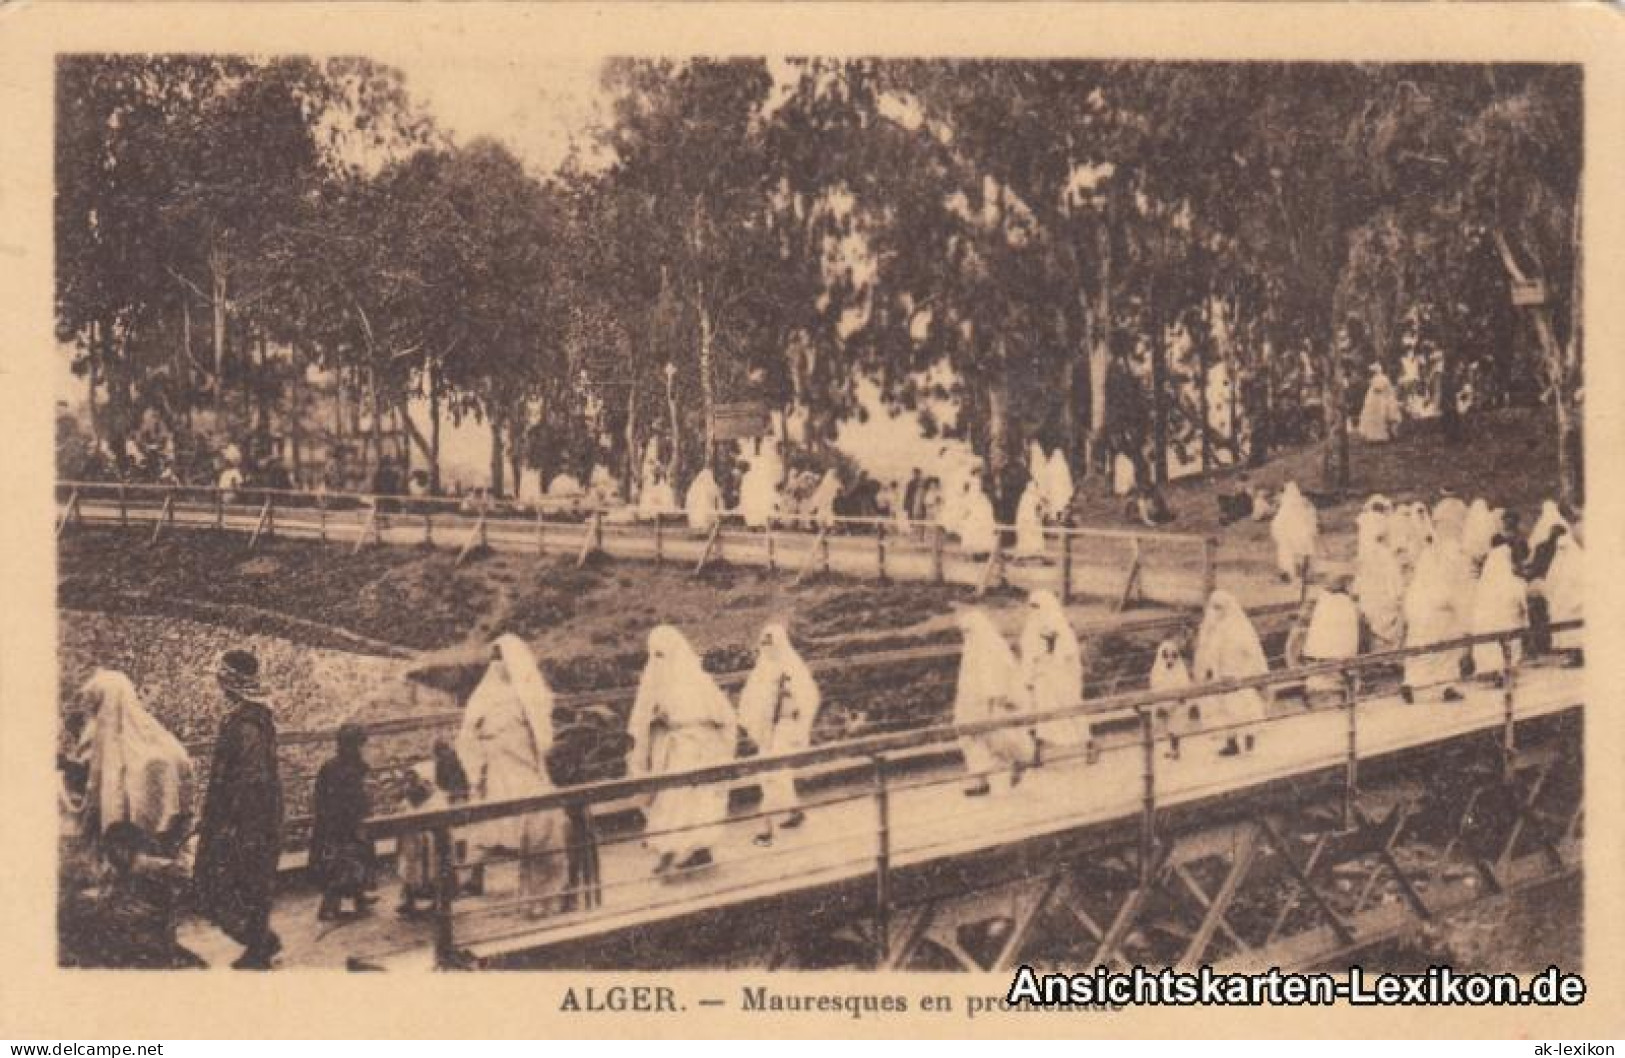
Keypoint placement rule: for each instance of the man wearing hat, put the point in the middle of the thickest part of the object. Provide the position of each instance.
(240, 836)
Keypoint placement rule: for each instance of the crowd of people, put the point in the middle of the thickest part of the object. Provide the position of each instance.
(1424, 576)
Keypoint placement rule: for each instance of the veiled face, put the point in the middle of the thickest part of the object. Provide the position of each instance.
(1167, 654)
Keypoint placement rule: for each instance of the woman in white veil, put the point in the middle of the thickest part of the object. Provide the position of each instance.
(1500, 604)
(1227, 648)
(1295, 530)
(1437, 609)
(137, 772)
(1052, 669)
(1058, 487)
(680, 721)
(759, 493)
(703, 504)
(1030, 522)
(989, 688)
(777, 707)
(503, 744)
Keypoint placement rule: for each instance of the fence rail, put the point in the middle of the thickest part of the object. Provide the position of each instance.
(1121, 565)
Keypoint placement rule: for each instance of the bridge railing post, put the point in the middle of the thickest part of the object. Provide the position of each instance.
(1509, 722)
(1148, 792)
(1066, 567)
(882, 924)
(1210, 566)
(938, 538)
(880, 551)
(1351, 765)
(123, 508)
(445, 943)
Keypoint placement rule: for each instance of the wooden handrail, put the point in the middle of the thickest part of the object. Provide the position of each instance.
(527, 508)
(1130, 705)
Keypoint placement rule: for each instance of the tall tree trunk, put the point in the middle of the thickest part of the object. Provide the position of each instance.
(377, 434)
(296, 416)
(92, 379)
(708, 394)
(217, 305)
(1100, 348)
(496, 457)
(998, 430)
(1159, 388)
(632, 462)
(434, 430)
(1203, 417)
(1335, 455)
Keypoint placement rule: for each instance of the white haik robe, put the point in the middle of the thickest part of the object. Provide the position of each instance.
(989, 688)
(680, 721)
(703, 502)
(1564, 589)
(1379, 415)
(1500, 604)
(777, 707)
(1030, 523)
(1227, 648)
(139, 772)
(1295, 530)
(759, 493)
(1170, 673)
(1057, 486)
(1379, 579)
(1437, 610)
(1052, 669)
(503, 743)
(1479, 529)
(978, 530)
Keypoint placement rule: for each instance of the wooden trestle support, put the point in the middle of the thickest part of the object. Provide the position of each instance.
(1301, 876)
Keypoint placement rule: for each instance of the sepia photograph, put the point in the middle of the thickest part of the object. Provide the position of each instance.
(944, 514)
(933, 520)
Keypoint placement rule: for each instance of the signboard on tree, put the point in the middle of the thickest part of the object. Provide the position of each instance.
(741, 421)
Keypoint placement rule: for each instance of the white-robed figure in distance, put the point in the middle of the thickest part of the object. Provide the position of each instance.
(1227, 648)
(1379, 580)
(1296, 531)
(565, 486)
(1479, 529)
(136, 771)
(1379, 415)
(759, 493)
(1437, 609)
(1500, 604)
(978, 529)
(1170, 673)
(703, 504)
(1030, 522)
(680, 721)
(1450, 519)
(1058, 488)
(1331, 634)
(503, 743)
(657, 497)
(989, 688)
(1052, 669)
(1564, 589)
(777, 708)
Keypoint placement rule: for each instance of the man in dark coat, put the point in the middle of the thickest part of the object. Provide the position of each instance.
(241, 832)
(340, 854)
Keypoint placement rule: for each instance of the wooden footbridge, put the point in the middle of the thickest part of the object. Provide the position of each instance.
(1120, 565)
(1348, 823)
